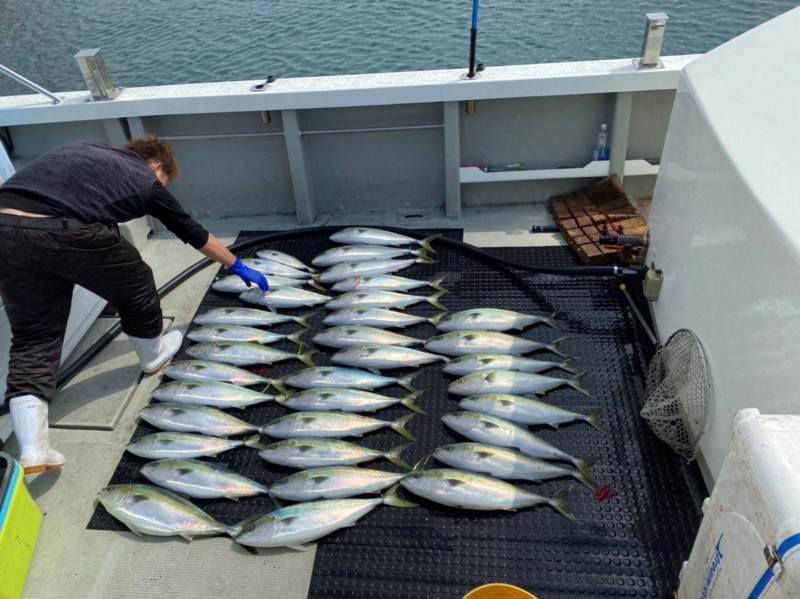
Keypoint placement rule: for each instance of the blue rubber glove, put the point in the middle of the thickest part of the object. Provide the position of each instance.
(249, 276)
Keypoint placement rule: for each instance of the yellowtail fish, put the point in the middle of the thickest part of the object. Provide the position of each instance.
(331, 424)
(462, 343)
(380, 357)
(513, 382)
(204, 370)
(283, 258)
(254, 317)
(318, 452)
(271, 268)
(376, 298)
(283, 297)
(235, 283)
(524, 410)
(385, 283)
(345, 378)
(149, 510)
(301, 523)
(185, 445)
(243, 353)
(200, 480)
(235, 332)
(472, 491)
(346, 270)
(472, 363)
(505, 463)
(333, 482)
(349, 335)
(210, 393)
(346, 400)
(381, 318)
(187, 418)
(492, 319)
(375, 236)
(359, 253)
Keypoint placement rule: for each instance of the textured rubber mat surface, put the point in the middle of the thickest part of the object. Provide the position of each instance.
(634, 533)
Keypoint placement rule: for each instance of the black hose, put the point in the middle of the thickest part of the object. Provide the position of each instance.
(68, 373)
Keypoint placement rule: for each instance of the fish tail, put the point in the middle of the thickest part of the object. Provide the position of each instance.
(555, 347)
(313, 282)
(254, 442)
(306, 357)
(278, 384)
(303, 320)
(405, 382)
(295, 337)
(426, 243)
(575, 383)
(390, 497)
(583, 464)
(437, 284)
(594, 419)
(550, 321)
(569, 365)
(425, 260)
(559, 503)
(409, 401)
(399, 425)
(433, 300)
(393, 455)
(281, 400)
(435, 320)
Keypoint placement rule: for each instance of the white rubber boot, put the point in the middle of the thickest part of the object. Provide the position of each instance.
(29, 419)
(155, 353)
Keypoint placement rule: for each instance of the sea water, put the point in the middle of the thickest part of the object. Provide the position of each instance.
(158, 42)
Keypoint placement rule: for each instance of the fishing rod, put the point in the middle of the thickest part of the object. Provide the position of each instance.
(473, 39)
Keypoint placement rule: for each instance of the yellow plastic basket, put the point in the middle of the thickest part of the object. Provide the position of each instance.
(498, 590)
(20, 520)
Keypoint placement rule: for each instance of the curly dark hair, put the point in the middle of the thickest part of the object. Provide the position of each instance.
(154, 149)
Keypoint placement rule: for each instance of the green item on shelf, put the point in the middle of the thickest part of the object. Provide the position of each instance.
(499, 168)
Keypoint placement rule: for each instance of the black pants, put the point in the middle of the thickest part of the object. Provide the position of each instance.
(39, 267)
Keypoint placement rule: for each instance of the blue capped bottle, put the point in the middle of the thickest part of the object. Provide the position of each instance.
(600, 151)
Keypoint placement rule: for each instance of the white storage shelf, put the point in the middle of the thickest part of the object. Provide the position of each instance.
(596, 168)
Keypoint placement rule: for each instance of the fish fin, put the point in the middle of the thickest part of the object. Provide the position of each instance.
(373, 370)
(425, 260)
(399, 425)
(555, 347)
(254, 442)
(306, 357)
(303, 320)
(313, 282)
(569, 365)
(420, 465)
(435, 320)
(550, 321)
(297, 547)
(437, 284)
(393, 455)
(594, 419)
(390, 497)
(409, 401)
(278, 384)
(575, 383)
(583, 465)
(295, 337)
(281, 400)
(426, 243)
(433, 300)
(405, 382)
(559, 503)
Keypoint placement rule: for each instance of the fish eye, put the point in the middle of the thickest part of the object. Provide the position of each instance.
(250, 528)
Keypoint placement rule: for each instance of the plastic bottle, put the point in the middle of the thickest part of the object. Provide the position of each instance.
(600, 151)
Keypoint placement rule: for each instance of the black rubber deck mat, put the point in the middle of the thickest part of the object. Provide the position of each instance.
(634, 533)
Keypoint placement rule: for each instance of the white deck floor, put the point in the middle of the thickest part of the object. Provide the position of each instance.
(71, 561)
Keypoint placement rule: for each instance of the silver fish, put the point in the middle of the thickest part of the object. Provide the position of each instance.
(472, 363)
(376, 357)
(148, 510)
(504, 463)
(187, 418)
(271, 268)
(345, 378)
(386, 283)
(253, 317)
(471, 491)
(374, 236)
(242, 353)
(203, 370)
(346, 270)
(235, 332)
(524, 410)
(462, 343)
(210, 393)
(184, 445)
(381, 318)
(376, 298)
(491, 319)
(349, 335)
(359, 253)
(346, 400)
(284, 297)
(512, 382)
(201, 480)
(235, 283)
(333, 482)
(317, 452)
(496, 431)
(331, 424)
(305, 522)
(283, 258)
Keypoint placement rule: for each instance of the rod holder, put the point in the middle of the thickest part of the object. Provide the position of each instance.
(653, 38)
(94, 71)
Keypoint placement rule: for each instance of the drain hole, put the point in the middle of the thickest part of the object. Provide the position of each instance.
(413, 216)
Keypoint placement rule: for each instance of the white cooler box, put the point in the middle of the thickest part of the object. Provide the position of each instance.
(749, 541)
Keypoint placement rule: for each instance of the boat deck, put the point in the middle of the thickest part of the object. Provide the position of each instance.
(96, 415)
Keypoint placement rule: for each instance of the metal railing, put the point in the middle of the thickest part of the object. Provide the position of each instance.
(30, 84)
